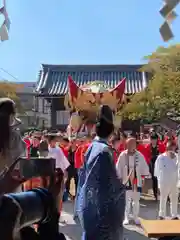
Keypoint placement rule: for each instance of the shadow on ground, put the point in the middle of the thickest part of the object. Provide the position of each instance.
(133, 235)
(73, 231)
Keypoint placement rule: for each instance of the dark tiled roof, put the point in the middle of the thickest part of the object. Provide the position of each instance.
(53, 78)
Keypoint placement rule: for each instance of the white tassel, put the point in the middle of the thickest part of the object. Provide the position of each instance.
(5, 27)
(4, 33)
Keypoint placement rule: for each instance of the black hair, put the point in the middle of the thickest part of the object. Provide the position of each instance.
(122, 134)
(51, 137)
(7, 108)
(104, 129)
(65, 139)
(134, 135)
(154, 136)
(104, 125)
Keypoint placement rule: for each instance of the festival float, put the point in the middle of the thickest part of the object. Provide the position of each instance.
(84, 101)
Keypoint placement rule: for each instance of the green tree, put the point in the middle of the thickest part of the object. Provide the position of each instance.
(10, 90)
(162, 96)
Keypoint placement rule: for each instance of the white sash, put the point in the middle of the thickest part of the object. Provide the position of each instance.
(135, 172)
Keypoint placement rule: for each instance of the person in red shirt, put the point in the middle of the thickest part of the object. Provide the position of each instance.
(114, 143)
(78, 160)
(64, 145)
(28, 145)
(141, 148)
(122, 143)
(80, 152)
(170, 136)
(155, 143)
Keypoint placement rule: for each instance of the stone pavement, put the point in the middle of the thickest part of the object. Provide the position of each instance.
(72, 230)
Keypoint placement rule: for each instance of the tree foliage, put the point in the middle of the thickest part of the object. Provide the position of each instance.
(10, 90)
(162, 96)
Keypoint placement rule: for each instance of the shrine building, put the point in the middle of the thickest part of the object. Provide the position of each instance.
(52, 87)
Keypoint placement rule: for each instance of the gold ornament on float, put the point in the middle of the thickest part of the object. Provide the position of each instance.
(110, 100)
(86, 99)
(67, 103)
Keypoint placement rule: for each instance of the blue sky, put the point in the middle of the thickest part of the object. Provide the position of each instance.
(79, 32)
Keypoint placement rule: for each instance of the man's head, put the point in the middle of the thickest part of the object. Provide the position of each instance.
(170, 146)
(152, 130)
(35, 141)
(64, 141)
(52, 140)
(73, 143)
(131, 144)
(153, 138)
(44, 135)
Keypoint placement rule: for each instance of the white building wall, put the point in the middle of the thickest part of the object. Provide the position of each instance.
(43, 112)
(62, 117)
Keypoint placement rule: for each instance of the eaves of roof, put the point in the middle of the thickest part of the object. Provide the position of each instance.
(53, 78)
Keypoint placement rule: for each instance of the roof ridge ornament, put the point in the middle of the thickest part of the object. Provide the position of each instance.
(5, 27)
(168, 13)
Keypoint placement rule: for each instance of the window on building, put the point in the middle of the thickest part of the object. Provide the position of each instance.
(40, 104)
(46, 106)
(36, 104)
(62, 117)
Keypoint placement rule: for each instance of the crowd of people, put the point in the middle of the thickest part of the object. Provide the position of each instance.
(109, 169)
(150, 151)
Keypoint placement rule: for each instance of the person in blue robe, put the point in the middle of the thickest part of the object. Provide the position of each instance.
(101, 198)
